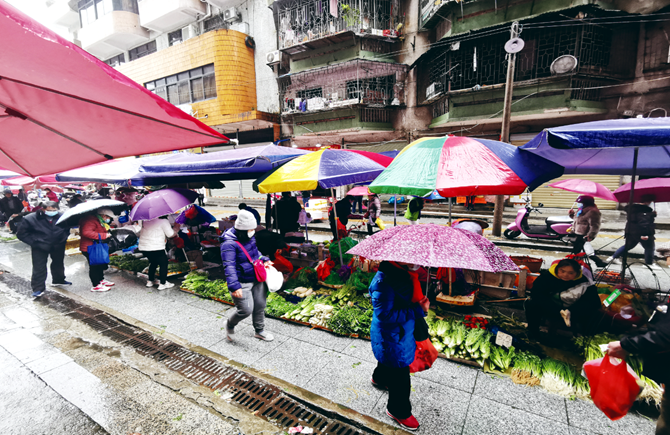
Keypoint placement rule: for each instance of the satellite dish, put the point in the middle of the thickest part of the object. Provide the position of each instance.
(514, 45)
(564, 64)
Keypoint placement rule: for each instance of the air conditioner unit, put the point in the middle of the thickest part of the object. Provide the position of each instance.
(273, 57)
(231, 15)
(433, 92)
(189, 32)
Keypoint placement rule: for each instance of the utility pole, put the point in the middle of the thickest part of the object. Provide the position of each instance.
(506, 121)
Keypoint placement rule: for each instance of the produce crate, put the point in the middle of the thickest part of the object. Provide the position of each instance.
(532, 263)
(205, 297)
(458, 300)
(321, 283)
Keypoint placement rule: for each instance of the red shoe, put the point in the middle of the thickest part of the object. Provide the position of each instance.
(408, 423)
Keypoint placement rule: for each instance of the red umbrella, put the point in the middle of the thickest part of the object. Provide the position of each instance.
(659, 187)
(61, 108)
(585, 187)
(30, 181)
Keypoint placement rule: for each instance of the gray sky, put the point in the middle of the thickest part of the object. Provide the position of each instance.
(37, 10)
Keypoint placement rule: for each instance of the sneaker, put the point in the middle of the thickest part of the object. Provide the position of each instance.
(37, 294)
(107, 283)
(100, 288)
(655, 266)
(613, 260)
(376, 385)
(165, 286)
(62, 283)
(408, 423)
(150, 283)
(265, 336)
(230, 333)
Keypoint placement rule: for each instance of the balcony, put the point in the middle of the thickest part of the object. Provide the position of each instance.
(62, 14)
(112, 34)
(168, 15)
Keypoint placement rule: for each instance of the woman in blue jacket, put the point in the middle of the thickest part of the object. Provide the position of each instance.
(392, 335)
(248, 294)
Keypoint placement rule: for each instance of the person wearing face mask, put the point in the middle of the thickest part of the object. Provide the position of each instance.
(562, 295)
(640, 228)
(398, 304)
(586, 225)
(153, 237)
(46, 240)
(91, 228)
(238, 251)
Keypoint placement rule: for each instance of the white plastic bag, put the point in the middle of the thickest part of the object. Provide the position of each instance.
(275, 279)
(588, 249)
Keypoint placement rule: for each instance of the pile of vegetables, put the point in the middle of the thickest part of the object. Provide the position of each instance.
(277, 306)
(334, 278)
(302, 292)
(199, 283)
(303, 311)
(558, 377)
(527, 368)
(128, 262)
(347, 243)
(303, 277)
(453, 338)
(321, 314)
(351, 320)
(476, 322)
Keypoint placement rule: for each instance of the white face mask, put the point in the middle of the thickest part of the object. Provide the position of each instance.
(251, 233)
(414, 267)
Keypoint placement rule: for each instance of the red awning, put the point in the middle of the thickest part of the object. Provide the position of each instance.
(61, 108)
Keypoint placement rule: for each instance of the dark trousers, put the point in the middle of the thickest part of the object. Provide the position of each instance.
(632, 241)
(157, 259)
(97, 272)
(370, 227)
(398, 382)
(40, 258)
(357, 200)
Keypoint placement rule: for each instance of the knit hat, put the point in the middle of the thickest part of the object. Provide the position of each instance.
(245, 221)
(106, 212)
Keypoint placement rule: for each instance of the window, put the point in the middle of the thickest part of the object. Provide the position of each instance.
(175, 38)
(116, 60)
(375, 90)
(187, 87)
(142, 50)
(92, 10)
(306, 94)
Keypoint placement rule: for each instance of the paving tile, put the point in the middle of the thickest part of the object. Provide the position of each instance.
(285, 328)
(246, 349)
(361, 349)
(35, 353)
(451, 374)
(488, 417)
(49, 362)
(531, 399)
(439, 409)
(21, 316)
(6, 324)
(18, 340)
(585, 415)
(325, 339)
(351, 387)
(295, 361)
(577, 431)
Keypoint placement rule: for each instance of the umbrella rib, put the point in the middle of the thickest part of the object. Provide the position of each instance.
(86, 100)
(14, 161)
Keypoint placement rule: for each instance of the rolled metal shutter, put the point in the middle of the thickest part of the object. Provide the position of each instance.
(558, 198)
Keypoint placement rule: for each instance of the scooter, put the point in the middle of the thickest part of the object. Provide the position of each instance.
(555, 228)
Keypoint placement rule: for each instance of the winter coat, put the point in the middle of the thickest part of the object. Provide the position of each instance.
(288, 211)
(374, 209)
(236, 265)
(393, 320)
(89, 230)
(588, 222)
(653, 345)
(343, 209)
(553, 291)
(41, 232)
(52, 196)
(10, 206)
(154, 235)
(640, 220)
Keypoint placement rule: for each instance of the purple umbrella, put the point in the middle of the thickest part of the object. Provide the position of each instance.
(162, 202)
(434, 245)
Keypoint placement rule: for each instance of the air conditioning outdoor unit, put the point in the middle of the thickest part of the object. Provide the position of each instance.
(433, 91)
(231, 15)
(188, 32)
(273, 57)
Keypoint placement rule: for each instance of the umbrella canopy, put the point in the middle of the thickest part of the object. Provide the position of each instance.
(52, 187)
(162, 202)
(7, 174)
(463, 166)
(440, 247)
(359, 191)
(326, 168)
(62, 108)
(659, 187)
(71, 217)
(586, 187)
(253, 160)
(30, 181)
(607, 147)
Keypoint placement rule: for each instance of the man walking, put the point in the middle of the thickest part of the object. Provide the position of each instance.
(11, 208)
(39, 230)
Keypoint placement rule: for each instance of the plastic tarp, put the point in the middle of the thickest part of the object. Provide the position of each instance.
(463, 166)
(607, 147)
(62, 108)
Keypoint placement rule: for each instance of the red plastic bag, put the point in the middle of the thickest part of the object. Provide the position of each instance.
(424, 356)
(282, 264)
(191, 212)
(324, 268)
(614, 387)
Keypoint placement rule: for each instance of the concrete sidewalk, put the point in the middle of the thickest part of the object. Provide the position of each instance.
(447, 399)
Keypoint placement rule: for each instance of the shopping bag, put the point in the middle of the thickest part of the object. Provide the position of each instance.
(424, 356)
(282, 264)
(380, 223)
(614, 387)
(588, 249)
(274, 280)
(324, 268)
(98, 253)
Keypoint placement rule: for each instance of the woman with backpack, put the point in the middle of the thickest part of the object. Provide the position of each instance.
(640, 228)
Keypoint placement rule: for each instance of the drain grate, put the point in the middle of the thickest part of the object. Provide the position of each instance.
(253, 394)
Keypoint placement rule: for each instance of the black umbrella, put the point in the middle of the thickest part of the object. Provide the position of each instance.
(71, 217)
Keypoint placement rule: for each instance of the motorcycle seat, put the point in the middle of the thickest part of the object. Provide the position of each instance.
(551, 220)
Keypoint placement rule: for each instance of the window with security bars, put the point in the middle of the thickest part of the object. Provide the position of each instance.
(142, 50)
(483, 61)
(305, 20)
(92, 10)
(306, 94)
(187, 87)
(116, 60)
(656, 46)
(373, 90)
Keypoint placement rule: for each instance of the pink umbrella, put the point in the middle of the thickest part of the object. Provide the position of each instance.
(659, 187)
(62, 108)
(434, 245)
(31, 182)
(359, 191)
(585, 187)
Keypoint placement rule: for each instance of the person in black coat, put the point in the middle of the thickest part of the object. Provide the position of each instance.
(285, 214)
(343, 209)
(46, 239)
(653, 345)
(11, 208)
(640, 228)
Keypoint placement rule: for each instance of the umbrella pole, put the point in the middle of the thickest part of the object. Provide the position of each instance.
(427, 279)
(630, 201)
(449, 211)
(395, 210)
(276, 215)
(337, 231)
(449, 281)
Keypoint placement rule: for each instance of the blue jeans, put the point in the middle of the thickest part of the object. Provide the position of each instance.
(252, 303)
(357, 200)
(632, 242)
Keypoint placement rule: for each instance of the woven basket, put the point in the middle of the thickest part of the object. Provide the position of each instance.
(533, 264)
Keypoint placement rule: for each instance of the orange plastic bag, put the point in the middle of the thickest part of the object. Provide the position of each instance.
(424, 356)
(614, 387)
(282, 264)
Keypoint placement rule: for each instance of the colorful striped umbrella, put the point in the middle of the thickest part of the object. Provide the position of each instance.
(326, 168)
(464, 166)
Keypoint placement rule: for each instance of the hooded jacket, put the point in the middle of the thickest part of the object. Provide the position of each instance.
(587, 224)
(236, 265)
(41, 232)
(374, 209)
(640, 220)
(549, 288)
